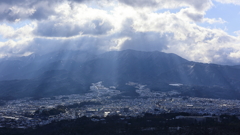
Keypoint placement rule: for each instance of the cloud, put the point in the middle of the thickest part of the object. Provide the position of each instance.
(84, 43)
(237, 32)
(202, 5)
(192, 14)
(66, 29)
(75, 20)
(214, 20)
(9, 32)
(146, 41)
(104, 25)
(79, 1)
(208, 46)
(139, 40)
(14, 48)
(11, 10)
(236, 2)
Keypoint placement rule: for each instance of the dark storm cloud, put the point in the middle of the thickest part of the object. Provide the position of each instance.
(65, 29)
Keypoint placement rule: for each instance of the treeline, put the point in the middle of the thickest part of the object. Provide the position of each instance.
(164, 124)
(48, 112)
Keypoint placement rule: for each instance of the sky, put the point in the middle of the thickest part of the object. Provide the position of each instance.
(205, 31)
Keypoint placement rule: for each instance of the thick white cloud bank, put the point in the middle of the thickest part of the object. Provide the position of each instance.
(104, 25)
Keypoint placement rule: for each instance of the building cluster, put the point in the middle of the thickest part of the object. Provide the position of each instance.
(21, 113)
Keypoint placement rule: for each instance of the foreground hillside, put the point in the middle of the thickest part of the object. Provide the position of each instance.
(164, 124)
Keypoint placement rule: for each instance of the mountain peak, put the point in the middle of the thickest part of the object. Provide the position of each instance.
(73, 69)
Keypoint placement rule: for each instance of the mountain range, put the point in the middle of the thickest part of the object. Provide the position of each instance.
(70, 72)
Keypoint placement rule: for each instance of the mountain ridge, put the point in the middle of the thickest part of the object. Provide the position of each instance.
(69, 72)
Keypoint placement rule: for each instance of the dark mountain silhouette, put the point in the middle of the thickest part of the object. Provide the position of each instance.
(68, 72)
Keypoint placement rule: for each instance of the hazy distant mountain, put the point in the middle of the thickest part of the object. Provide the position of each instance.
(67, 72)
(34, 65)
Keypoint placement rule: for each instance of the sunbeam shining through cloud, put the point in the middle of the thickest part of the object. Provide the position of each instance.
(203, 31)
(119, 67)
